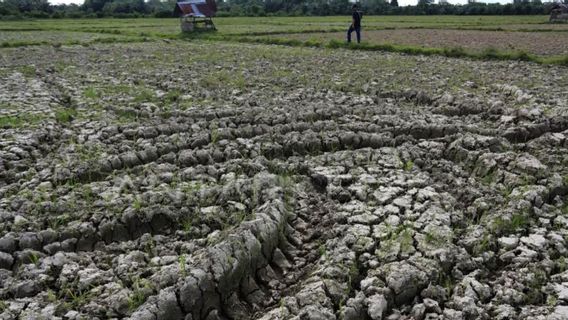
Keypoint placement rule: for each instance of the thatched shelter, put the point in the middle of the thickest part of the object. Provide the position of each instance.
(192, 13)
(559, 13)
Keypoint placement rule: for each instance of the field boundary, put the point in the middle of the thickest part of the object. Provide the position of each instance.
(267, 37)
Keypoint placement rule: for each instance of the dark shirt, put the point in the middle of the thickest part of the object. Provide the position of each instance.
(356, 19)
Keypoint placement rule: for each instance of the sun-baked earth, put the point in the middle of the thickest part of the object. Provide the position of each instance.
(206, 180)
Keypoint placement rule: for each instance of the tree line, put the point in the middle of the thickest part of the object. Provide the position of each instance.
(17, 9)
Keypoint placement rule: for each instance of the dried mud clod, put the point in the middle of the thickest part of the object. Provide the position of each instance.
(268, 189)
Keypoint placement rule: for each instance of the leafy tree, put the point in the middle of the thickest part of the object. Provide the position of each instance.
(28, 5)
(424, 3)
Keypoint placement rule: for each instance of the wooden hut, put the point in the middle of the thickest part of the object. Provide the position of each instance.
(196, 14)
(559, 13)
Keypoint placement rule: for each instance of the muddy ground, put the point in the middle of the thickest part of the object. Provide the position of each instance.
(176, 180)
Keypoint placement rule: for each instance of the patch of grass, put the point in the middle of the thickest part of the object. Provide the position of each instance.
(559, 60)
(144, 95)
(28, 71)
(172, 96)
(551, 300)
(182, 262)
(87, 153)
(126, 115)
(141, 289)
(75, 299)
(59, 221)
(490, 178)
(51, 296)
(408, 165)
(483, 246)
(518, 221)
(88, 194)
(534, 295)
(214, 134)
(447, 282)
(406, 240)
(65, 115)
(137, 204)
(187, 223)
(322, 250)
(34, 258)
(91, 93)
(217, 79)
(455, 52)
(561, 264)
(20, 121)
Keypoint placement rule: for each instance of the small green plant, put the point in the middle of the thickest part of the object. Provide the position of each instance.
(282, 307)
(240, 216)
(551, 300)
(91, 93)
(518, 221)
(145, 95)
(187, 224)
(214, 134)
(88, 194)
(456, 52)
(406, 240)
(537, 281)
(138, 296)
(354, 275)
(65, 115)
(506, 192)
(58, 221)
(19, 121)
(149, 247)
(3, 305)
(136, 299)
(137, 204)
(322, 250)
(34, 258)
(447, 282)
(126, 116)
(172, 95)
(565, 209)
(51, 296)
(408, 165)
(483, 246)
(490, 178)
(76, 299)
(182, 262)
(28, 71)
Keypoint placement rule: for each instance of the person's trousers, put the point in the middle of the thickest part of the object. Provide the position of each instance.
(357, 31)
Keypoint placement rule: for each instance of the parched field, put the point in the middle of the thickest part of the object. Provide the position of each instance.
(157, 176)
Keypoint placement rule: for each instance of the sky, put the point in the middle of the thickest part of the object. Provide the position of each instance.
(400, 2)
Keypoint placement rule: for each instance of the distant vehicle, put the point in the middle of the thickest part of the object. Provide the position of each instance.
(193, 13)
(559, 13)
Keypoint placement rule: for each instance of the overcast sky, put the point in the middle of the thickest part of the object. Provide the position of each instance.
(400, 2)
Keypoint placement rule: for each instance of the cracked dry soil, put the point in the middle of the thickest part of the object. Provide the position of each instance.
(218, 181)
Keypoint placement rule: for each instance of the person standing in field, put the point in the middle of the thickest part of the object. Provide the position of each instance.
(355, 24)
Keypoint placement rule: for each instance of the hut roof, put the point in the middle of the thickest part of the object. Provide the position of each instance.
(560, 6)
(196, 8)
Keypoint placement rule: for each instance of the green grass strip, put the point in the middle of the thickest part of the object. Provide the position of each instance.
(16, 44)
(455, 52)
